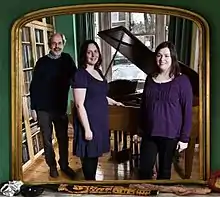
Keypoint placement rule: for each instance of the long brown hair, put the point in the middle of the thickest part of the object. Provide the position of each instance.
(83, 52)
(175, 68)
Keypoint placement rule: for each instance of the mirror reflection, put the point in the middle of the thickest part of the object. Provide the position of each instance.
(129, 45)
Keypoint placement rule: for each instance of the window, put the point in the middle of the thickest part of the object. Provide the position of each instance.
(141, 25)
(121, 16)
(117, 16)
(118, 19)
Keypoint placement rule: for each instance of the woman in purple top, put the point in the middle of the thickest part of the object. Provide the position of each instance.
(166, 113)
(91, 131)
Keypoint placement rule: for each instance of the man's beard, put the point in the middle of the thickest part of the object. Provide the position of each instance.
(54, 55)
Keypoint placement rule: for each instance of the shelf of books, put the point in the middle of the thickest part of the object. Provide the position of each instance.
(34, 45)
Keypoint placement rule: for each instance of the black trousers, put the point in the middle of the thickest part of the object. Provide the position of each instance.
(89, 167)
(150, 147)
(60, 121)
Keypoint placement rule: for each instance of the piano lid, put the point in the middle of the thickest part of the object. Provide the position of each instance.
(129, 46)
(136, 52)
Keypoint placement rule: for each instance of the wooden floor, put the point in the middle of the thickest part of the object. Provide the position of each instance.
(107, 169)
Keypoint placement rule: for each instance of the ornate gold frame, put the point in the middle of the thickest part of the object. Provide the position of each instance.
(204, 76)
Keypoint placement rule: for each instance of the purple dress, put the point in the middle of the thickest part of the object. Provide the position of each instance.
(96, 106)
(166, 109)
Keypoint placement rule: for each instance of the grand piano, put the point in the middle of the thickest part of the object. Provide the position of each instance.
(136, 52)
(123, 41)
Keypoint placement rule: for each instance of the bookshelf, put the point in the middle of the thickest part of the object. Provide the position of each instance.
(34, 45)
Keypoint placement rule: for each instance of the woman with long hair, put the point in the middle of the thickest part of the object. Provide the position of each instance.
(166, 113)
(91, 131)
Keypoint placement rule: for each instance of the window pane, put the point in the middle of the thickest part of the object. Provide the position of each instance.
(142, 23)
(121, 16)
(114, 16)
(124, 69)
(116, 24)
(127, 71)
(148, 40)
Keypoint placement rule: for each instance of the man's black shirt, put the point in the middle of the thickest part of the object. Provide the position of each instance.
(51, 82)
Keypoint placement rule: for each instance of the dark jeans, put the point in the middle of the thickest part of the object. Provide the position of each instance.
(60, 122)
(150, 147)
(89, 167)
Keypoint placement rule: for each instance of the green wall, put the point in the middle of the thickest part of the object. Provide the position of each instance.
(14, 9)
(66, 25)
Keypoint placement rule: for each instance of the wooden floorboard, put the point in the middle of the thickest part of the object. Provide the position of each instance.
(107, 169)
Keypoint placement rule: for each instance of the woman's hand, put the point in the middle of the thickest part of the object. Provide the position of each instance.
(113, 102)
(119, 104)
(88, 135)
(181, 146)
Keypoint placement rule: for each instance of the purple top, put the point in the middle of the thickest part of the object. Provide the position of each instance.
(166, 108)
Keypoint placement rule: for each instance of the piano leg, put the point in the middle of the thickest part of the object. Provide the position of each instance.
(125, 145)
(117, 154)
(115, 145)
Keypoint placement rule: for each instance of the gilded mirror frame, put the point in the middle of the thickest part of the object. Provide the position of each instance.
(204, 76)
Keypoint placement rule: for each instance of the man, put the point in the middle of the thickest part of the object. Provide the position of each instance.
(49, 96)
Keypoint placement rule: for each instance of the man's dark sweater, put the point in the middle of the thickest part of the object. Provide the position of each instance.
(51, 82)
